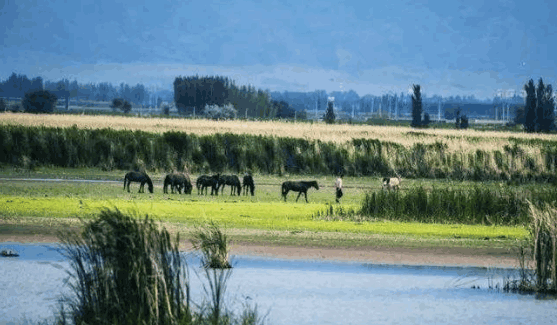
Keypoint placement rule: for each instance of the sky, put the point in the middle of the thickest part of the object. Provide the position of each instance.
(471, 47)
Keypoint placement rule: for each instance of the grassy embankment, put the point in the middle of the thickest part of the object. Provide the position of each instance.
(28, 207)
(275, 148)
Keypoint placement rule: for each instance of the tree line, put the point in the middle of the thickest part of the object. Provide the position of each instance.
(17, 85)
(539, 115)
(194, 94)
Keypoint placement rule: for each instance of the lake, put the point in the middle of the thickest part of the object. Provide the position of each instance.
(303, 291)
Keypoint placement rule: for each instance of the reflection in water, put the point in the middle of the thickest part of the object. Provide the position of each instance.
(303, 292)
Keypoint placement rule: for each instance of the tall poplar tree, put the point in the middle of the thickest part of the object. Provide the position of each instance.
(530, 108)
(416, 106)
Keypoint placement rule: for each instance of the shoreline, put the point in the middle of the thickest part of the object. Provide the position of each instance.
(423, 256)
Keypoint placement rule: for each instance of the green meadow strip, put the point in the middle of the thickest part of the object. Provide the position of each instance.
(244, 215)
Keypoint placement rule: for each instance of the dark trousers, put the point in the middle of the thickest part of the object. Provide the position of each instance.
(339, 193)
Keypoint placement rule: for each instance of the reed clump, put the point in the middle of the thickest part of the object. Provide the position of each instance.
(478, 205)
(213, 244)
(544, 233)
(445, 156)
(124, 270)
(542, 279)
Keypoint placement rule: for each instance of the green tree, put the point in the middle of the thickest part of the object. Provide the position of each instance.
(540, 92)
(416, 107)
(330, 113)
(540, 116)
(426, 120)
(41, 101)
(122, 104)
(548, 114)
(530, 108)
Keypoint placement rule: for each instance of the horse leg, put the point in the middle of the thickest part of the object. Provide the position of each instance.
(300, 193)
(306, 195)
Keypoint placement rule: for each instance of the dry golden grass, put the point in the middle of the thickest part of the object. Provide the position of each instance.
(456, 140)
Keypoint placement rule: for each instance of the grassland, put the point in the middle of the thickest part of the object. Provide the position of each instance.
(427, 158)
(457, 140)
(37, 207)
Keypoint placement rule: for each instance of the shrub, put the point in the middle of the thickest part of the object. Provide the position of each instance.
(225, 112)
(39, 101)
(122, 104)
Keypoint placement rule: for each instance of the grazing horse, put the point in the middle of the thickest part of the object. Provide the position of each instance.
(248, 183)
(178, 182)
(391, 183)
(205, 181)
(301, 187)
(139, 177)
(233, 181)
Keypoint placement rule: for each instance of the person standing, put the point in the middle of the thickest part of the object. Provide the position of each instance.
(338, 188)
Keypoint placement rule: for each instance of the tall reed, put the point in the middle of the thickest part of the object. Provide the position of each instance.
(213, 244)
(478, 205)
(544, 240)
(125, 271)
(272, 154)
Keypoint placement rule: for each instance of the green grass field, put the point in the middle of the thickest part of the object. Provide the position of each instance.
(265, 215)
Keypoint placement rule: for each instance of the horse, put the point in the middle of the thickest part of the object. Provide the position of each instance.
(248, 183)
(233, 181)
(139, 177)
(178, 182)
(205, 181)
(391, 183)
(301, 187)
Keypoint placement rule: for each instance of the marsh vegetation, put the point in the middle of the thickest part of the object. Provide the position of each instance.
(125, 270)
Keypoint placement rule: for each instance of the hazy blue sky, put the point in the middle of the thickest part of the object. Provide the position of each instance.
(448, 47)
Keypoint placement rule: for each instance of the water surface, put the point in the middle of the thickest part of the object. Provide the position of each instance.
(304, 291)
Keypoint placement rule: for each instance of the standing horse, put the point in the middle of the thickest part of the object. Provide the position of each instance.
(301, 187)
(233, 181)
(178, 182)
(248, 183)
(139, 177)
(205, 181)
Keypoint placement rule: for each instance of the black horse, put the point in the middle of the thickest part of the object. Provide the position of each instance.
(233, 181)
(301, 187)
(248, 183)
(139, 177)
(177, 182)
(205, 181)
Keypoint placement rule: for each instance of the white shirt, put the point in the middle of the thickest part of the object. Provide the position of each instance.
(338, 183)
